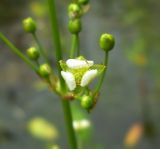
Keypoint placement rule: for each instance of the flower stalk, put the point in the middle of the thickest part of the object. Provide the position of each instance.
(18, 52)
(65, 103)
(41, 49)
(98, 87)
(74, 52)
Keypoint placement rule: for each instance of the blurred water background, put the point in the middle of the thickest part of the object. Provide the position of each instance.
(130, 96)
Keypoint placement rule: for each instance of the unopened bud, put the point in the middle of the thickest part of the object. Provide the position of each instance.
(33, 53)
(29, 25)
(86, 102)
(106, 42)
(45, 70)
(74, 26)
(74, 11)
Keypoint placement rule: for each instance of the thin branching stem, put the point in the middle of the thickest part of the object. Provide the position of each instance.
(74, 46)
(103, 74)
(18, 52)
(41, 49)
(55, 33)
(58, 52)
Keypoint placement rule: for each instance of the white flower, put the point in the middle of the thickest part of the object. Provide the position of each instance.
(79, 72)
(76, 63)
(85, 123)
(69, 79)
(76, 125)
(88, 77)
(81, 124)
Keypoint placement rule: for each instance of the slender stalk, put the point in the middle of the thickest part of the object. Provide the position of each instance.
(103, 75)
(69, 124)
(41, 50)
(18, 52)
(74, 46)
(55, 32)
(65, 103)
(77, 40)
(80, 144)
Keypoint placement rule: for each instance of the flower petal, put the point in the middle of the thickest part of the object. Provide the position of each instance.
(76, 63)
(69, 79)
(88, 77)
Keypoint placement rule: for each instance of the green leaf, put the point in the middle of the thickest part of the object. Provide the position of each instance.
(99, 67)
(63, 65)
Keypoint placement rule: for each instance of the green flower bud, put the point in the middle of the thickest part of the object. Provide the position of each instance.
(74, 26)
(83, 2)
(45, 70)
(106, 42)
(86, 102)
(33, 53)
(29, 25)
(74, 11)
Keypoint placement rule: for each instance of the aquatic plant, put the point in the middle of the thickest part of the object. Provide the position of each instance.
(75, 74)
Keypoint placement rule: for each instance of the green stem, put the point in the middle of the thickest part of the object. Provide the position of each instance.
(69, 124)
(18, 52)
(74, 46)
(80, 144)
(65, 103)
(78, 50)
(41, 50)
(103, 74)
(55, 32)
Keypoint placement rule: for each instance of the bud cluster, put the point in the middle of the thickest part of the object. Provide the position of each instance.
(77, 72)
(75, 12)
(33, 53)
